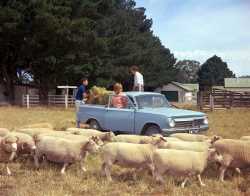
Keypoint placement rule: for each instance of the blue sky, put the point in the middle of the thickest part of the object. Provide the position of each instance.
(198, 29)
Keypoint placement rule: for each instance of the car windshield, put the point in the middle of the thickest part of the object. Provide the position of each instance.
(152, 101)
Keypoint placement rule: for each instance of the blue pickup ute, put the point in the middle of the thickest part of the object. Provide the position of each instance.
(145, 114)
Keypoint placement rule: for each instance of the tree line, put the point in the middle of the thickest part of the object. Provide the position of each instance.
(58, 42)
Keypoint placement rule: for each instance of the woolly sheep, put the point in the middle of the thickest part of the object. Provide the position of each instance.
(25, 144)
(67, 135)
(3, 132)
(172, 139)
(135, 139)
(182, 163)
(104, 136)
(235, 153)
(184, 145)
(34, 131)
(195, 137)
(132, 155)
(61, 150)
(8, 148)
(245, 138)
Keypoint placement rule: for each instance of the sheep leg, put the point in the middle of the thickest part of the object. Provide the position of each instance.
(199, 178)
(83, 168)
(184, 182)
(8, 170)
(151, 168)
(82, 162)
(36, 161)
(238, 170)
(107, 168)
(222, 173)
(63, 168)
(158, 177)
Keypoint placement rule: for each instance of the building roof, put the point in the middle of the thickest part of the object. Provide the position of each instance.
(237, 82)
(187, 87)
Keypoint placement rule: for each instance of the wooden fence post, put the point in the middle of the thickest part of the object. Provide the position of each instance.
(200, 99)
(66, 101)
(211, 101)
(28, 101)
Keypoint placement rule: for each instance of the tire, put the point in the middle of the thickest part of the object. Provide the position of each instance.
(93, 124)
(152, 129)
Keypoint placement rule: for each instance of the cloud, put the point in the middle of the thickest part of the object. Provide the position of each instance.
(199, 29)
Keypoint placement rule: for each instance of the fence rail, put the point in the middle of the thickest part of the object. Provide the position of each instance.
(60, 100)
(222, 99)
(30, 100)
(55, 100)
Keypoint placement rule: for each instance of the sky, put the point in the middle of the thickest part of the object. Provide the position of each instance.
(199, 29)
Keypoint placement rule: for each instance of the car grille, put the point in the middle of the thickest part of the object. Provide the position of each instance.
(189, 124)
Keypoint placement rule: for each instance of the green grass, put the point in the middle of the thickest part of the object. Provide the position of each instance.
(27, 181)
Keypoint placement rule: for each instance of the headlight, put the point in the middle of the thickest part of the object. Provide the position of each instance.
(205, 121)
(171, 122)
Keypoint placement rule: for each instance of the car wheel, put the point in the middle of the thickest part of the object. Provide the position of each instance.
(152, 129)
(93, 124)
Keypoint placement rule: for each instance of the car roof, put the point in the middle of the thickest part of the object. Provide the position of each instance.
(136, 93)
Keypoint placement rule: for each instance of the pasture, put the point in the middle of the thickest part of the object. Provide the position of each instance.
(47, 181)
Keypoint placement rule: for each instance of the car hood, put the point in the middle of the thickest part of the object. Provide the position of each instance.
(173, 112)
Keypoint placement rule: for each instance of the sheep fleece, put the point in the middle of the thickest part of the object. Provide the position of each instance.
(180, 162)
(127, 154)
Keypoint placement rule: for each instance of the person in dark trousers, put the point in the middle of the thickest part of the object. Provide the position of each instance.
(81, 94)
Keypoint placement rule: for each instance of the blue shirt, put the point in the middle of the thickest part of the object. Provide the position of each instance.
(79, 95)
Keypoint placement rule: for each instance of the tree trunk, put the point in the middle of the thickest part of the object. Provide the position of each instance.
(9, 85)
(43, 94)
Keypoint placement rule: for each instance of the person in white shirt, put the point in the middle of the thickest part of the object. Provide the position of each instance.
(138, 79)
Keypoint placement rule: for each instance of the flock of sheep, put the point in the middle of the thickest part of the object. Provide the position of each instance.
(180, 154)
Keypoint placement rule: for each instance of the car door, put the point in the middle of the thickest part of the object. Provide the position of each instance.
(120, 119)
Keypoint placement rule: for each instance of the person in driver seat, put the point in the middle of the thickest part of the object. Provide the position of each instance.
(119, 99)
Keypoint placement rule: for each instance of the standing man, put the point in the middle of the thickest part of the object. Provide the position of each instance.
(138, 78)
(81, 93)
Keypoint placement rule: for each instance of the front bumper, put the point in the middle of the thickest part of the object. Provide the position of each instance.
(194, 130)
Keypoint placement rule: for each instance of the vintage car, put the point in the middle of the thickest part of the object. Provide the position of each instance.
(145, 113)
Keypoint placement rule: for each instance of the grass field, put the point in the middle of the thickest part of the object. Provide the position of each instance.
(27, 181)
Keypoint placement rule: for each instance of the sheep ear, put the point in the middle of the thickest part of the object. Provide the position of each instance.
(215, 138)
(163, 139)
(17, 138)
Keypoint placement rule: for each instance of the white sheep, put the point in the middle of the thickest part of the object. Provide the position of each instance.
(135, 139)
(184, 145)
(61, 150)
(245, 138)
(3, 132)
(68, 135)
(195, 137)
(172, 139)
(25, 143)
(34, 131)
(128, 155)
(8, 148)
(181, 163)
(104, 136)
(235, 154)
